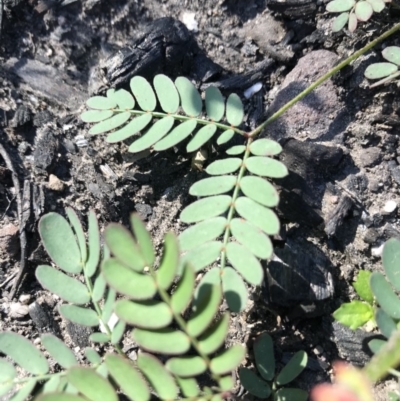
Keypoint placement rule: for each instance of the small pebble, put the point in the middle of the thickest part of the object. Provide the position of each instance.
(24, 299)
(390, 207)
(377, 251)
(55, 184)
(18, 311)
(188, 19)
(248, 93)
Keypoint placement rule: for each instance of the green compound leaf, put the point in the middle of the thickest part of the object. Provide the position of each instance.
(266, 167)
(202, 232)
(91, 384)
(385, 295)
(234, 110)
(254, 384)
(123, 246)
(201, 137)
(245, 263)
(212, 277)
(214, 336)
(285, 394)
(260, 190)
(145, 314)
(252, 238)
(386, 324)
(377, 5)
(190, 97)
(60, 397)
(205, 310)
(23, 353)
(128, 378)
(339, 6)
(130, 129)
(213, 186)
(392, 54)
(76, 314)
(202, 256)
(186, 366)
(265, 147)
(362, 287)
(51, 385)
(183, 294)
(263, 218)
(170, 262)
(168, 341)
(126, 281)
(108, 305)
(7, 371)
(376, 344)
(228, 360)
(95, 116)
(102, 370)
(153, 135)
(60, 242)
(225, 137)
(292, 369)
(25, 391)
(354, 314)
(226, 383)
(391, 262)
(167, 94)
(143, 239)
(99, 288)
(101, 103)
(205, 208)
(5, 388)
(264, 355)
(235, 291)
(353, 22)
(143, 93)
(188, 386)
(236, 150)
(380, 70)
(92, 356)
(215, 104)
(111, 123)
(363, 11)
(159, 378)
(177, 135)
(118, 332)
(77, 227)
(100, 338)
(123, 98)
(93, 245)
(67, 288)
(225, 166)
(340, 22)
(58, 350)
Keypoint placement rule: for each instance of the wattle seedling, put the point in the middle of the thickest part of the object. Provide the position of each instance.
(385, 72)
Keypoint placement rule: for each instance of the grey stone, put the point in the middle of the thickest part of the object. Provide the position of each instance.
(370, 157)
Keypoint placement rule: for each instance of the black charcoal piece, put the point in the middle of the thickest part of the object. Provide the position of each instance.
(338, 214)
(45, 150)
(21, 117)
(42, 314)
(293, 9)
(79, 334)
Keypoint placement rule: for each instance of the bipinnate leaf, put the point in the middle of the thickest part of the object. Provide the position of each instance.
(225, 137)
(215, 104)
(60, 242)
(228, 360)
(353, 22)
(377, 5)
(235, 291)
(202, 136)
(392, 54)
(391, 261)
(190, 97)
(95, 116)
(100, 338)
(245, 263)
(385, 323)
(186, 366)
(214, 336)
(177, 135)
(168, 341)
(76, 314)
(339, 6)
(80, 234)
(363, 10)
(213, 185)
(170, 262)
(159, 377)
(130, 129)
(123, 246)
(265, 147)
(101, 103)
(266, 167)
(236, 150)
(362, 287)
(51, 385)
(7, 371)
(354, 314)
(340, 22)
(234, 110)
(203, 255)
(376, 344)
(118, 332)
(183, 294)
(24, 392)
(292, 369)
(58, 350)
(89, 383)
(92, 356)
(60, 397)
(380, 70)
(5, 388)
(135, 285)
(99, 288)
(67, 288)
(252, 238)
(143, 239)
(130, 381)
(285, 394)
(111, 123)
(385, 295)
(211, 278)
(166, 93)
(225, 166)
(123, 98)
(254, 384)
(188, 386)
(143, 93)
(264, 356)
(206, 208)
(202, 232)
(259, 190)
(93, 245)
(226, 383)
(108, 306)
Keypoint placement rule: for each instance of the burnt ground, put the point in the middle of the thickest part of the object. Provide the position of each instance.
(340, 144)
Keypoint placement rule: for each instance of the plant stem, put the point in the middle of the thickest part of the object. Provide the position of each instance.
(321, 80)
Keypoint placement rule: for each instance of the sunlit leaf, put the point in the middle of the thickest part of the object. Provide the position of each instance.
(92, 356)
(190, 97)
(211, 278)
(214, 336)
(234, 110)
(362, 287)
(284, 394)
(260, 190)
(228, 360)
(380, 70)
(113, 122)
(95, 116)
(213, 185)
(188, 386)
(266, 166)
(203, 255)
(58, 350)
(386, 324)
(235, 291)
(206, 208)
(5, 388)
(101, 103)
(118, 332)
(51, 385)
(265, 147)
(186, 366)
(353, 22)
(339, 6)
(183, 294)
(166, 92)
(130, 129)
(170, 262)
(391, 261)
(201, 137)
(24, 392)
(123, 98)
(100, 338)
(385, 295)
(354, 314)
(108, 306)
(7, 371)
(60, 397)
(226, 383)
(144, 93)
(340, 22)
(76, 314)
(143, 239)
(225, 166)
(376, 344)
(377, 5)
(363, 10)
(264, 355)
(99, 288)
(254, 384)
(226, 136)
(392, 54)
(236, 150)
(93, 245)
(177, 135)
(77, 227)
(215, 104)
(292, 369)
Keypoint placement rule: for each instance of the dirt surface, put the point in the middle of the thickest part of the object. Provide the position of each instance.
(340, 145)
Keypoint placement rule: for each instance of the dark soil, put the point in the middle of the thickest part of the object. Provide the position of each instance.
(340, 145)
